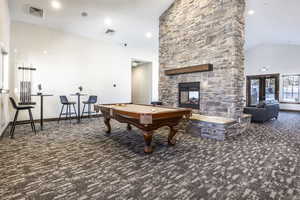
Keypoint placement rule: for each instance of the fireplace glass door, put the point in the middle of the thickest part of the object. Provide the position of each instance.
(189, 95)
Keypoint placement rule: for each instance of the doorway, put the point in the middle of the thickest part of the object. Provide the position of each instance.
(141, 81)
(262, 88)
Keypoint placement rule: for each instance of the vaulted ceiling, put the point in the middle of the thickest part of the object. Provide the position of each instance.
(131, 19)
(273, 21)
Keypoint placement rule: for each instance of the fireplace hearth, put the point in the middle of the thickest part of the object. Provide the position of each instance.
(189, 95)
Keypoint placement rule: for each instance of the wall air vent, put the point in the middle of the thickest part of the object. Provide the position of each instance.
(36, 12)
(110, 31)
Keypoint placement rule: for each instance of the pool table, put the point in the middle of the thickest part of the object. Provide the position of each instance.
(145, 117)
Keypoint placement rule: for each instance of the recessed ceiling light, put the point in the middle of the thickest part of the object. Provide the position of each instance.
(107, 21)
(149, 35)
(134, 64)
(56, 4)
(251, 12)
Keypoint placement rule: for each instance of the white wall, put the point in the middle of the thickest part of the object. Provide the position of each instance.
(72, 61)
(4, 40)
(283, 59)
(142, 84)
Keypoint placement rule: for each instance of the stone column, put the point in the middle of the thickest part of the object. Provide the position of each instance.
(194, 32)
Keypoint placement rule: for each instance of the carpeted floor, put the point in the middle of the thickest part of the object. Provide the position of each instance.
(70, 161)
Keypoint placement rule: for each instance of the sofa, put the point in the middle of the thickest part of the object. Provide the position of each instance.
(263, 112)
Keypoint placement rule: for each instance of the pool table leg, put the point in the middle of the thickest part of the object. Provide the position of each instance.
(107, 123)
(148, 140)
(171, 139)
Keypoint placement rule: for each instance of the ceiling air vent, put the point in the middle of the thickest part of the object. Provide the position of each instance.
(110, 31)
(36, 12)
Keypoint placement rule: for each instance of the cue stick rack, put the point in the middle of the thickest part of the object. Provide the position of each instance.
(26, 85)
(3, 55)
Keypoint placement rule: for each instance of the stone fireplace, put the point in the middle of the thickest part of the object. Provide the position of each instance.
(196, 32)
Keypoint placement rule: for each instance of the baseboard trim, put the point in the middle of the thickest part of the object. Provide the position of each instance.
(56, 119)
(45, 120)
(4, 130)
(287, 110)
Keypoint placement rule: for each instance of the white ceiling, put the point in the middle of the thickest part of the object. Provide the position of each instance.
(274, 21)
(131, 19)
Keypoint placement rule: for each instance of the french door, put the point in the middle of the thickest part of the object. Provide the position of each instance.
(261, 88)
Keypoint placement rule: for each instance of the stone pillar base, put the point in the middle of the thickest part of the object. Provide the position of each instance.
(212, 128)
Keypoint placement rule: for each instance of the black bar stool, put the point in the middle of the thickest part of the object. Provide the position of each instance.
(156, 103)
(92, 100)
(65, 102)
(19, 108)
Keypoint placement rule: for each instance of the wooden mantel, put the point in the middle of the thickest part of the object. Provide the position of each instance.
(191, 69)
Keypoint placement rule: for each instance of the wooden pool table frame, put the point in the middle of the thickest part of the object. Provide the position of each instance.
(159, 119)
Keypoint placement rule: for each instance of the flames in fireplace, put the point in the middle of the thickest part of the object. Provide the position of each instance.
(189, 95)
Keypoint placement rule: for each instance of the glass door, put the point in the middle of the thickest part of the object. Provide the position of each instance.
(262, 88)
(254, 92)
(270, 89)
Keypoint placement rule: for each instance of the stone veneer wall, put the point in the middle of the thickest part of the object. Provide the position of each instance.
(194, 32)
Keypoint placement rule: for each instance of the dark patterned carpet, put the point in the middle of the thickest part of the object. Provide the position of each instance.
(82, 162)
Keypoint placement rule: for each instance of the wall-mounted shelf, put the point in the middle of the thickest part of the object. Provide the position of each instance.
(191, 69)
(27, 68)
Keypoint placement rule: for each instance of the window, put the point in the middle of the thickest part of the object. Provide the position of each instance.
(291, 88)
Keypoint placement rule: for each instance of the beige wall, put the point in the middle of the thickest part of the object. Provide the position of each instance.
(141, 84)
(4, 41)
(73, 61)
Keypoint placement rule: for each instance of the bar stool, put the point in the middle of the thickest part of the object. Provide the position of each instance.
(65, 102)
(19, 108)
(92, 100)
(156, 103)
